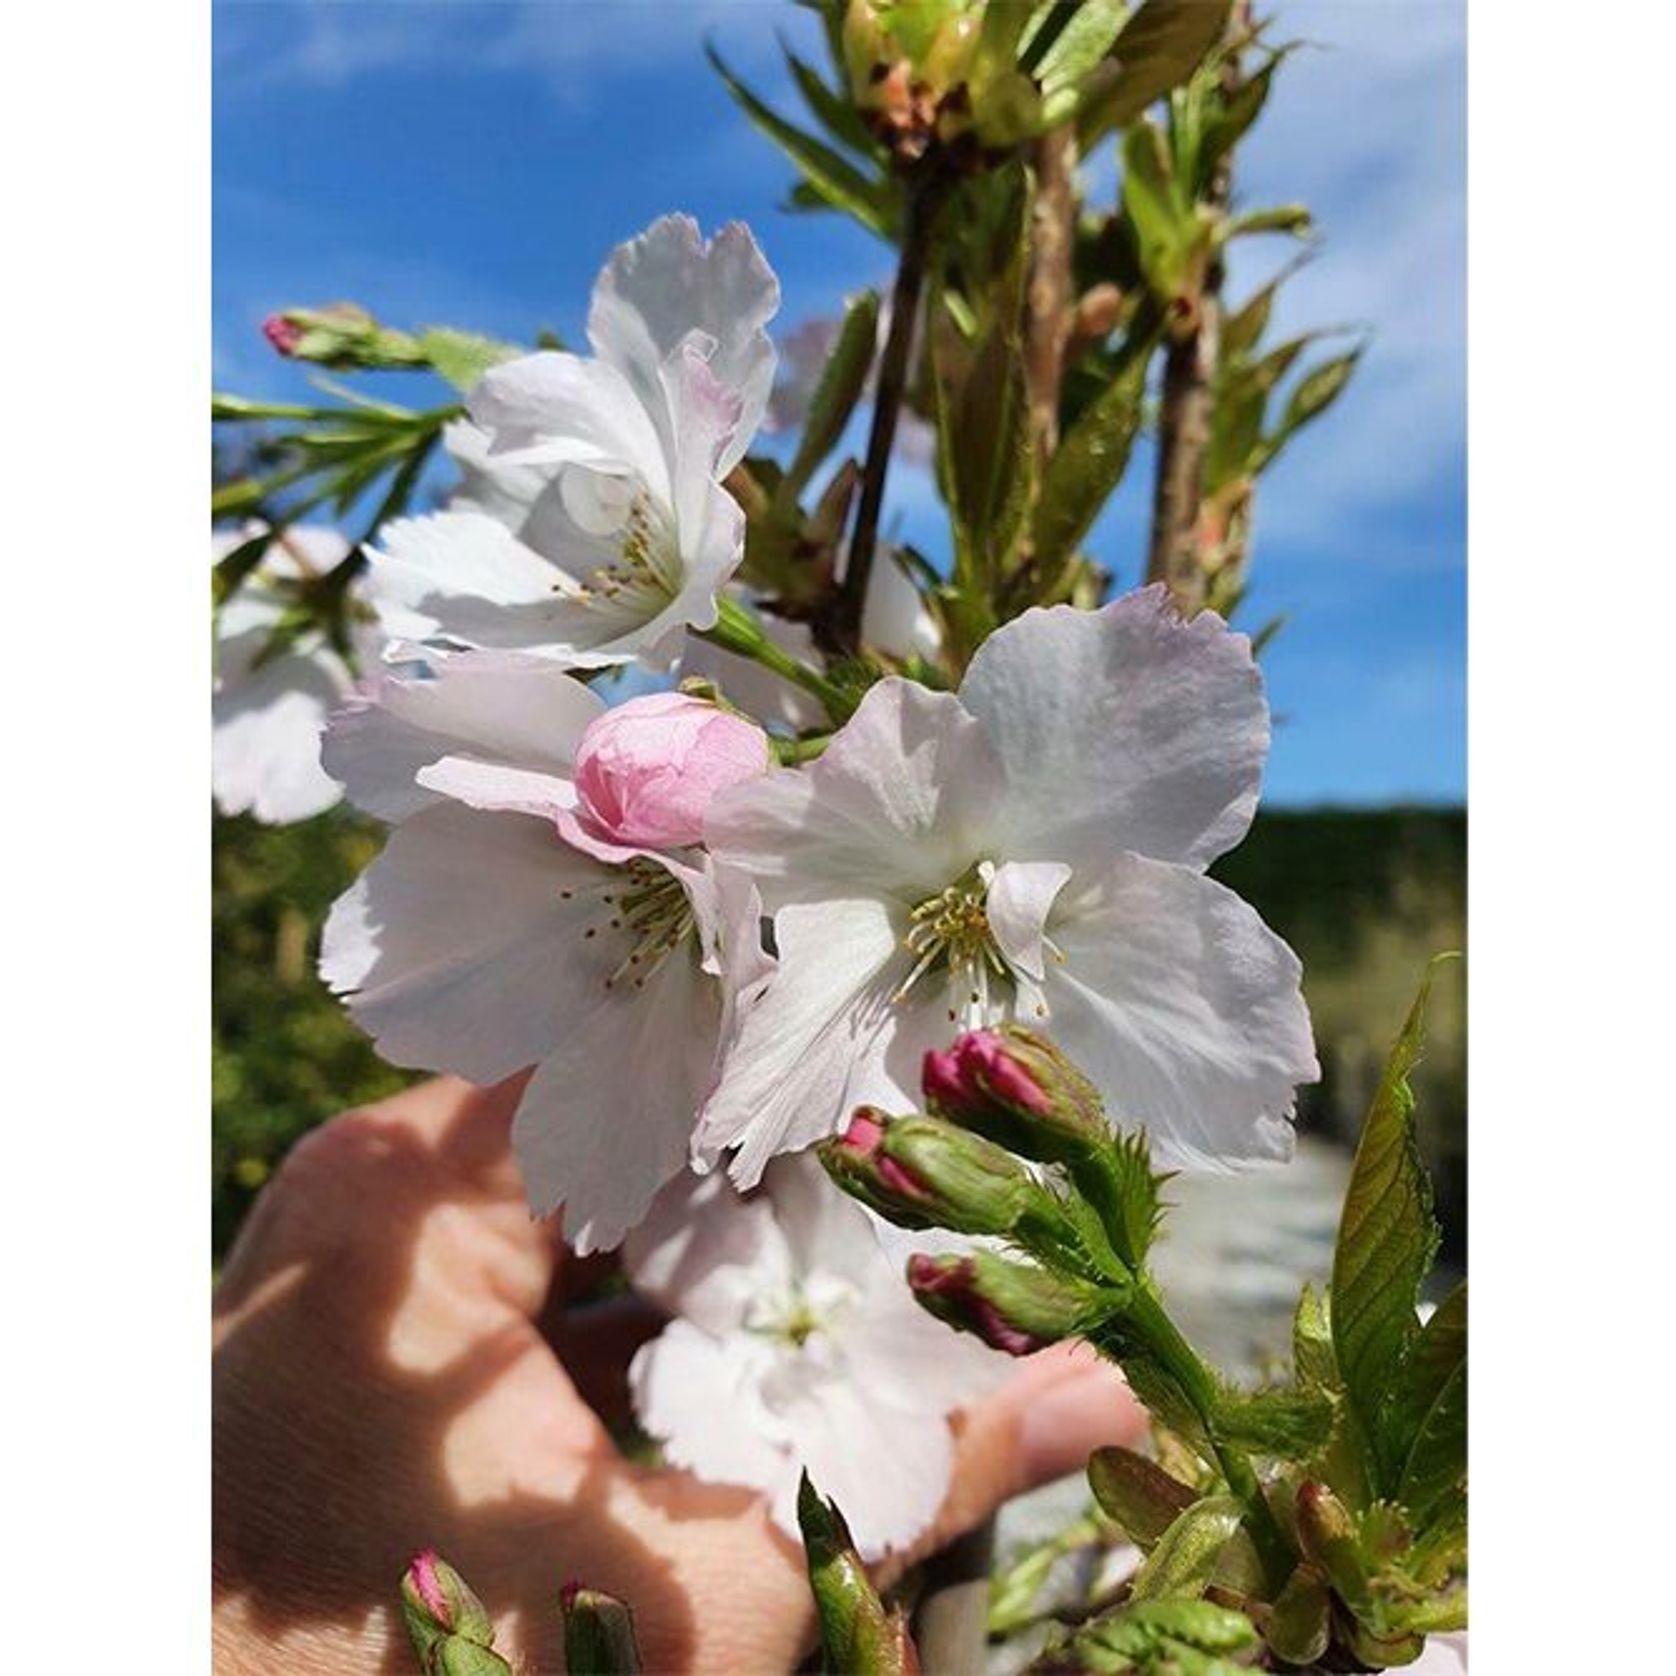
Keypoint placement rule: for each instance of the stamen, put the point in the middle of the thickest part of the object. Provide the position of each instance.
(950, 932)
(653, 909)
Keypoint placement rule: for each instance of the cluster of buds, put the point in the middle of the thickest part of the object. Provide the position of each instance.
(996, 1099)
(341, 335)
(924, 76)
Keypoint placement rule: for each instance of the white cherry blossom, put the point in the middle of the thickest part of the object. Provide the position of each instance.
(267, 712)
(591, 526)
(514, 922)
(1032, 846)
(796, 1345)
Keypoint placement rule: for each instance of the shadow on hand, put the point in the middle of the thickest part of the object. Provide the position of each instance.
(351, 1429)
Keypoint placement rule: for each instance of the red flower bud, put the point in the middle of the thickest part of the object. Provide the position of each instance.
(1015, 1087)
(284, 334)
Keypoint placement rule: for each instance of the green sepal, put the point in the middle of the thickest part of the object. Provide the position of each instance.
(461, 357)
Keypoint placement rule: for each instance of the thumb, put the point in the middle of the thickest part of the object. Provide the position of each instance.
(1058, 1408)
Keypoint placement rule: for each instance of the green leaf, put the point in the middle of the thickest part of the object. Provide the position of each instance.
(830, 108)
(1312, 1343)
(1229, 126)
(1436, 1464)
(1283, 218)
(1164, 225)
(463, 357)
(1185, 1557)
(1288, 1425)
(1245, 325)
(988, 453)
(831, 175)
(1315, 393)
(1139, 1494)
(1300, 1621)
(1386, 1241)
(1091, 458)
(841, 382)
(1087, 36)
(1164, 1638)
(1159, 48)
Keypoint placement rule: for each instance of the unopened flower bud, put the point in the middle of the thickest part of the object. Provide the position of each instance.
(857, 1162)
(1327, 1536)
(598, 1633)
(970, 1185)
(1015, 1307)
(647, 770)
(451, 1631)
(341, 335)
(1015, 1087)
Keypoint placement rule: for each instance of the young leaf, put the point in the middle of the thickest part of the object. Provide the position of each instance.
(841, 383)
(1159, 48)
(1439, 1353)
(1164, 225)
(1315, 393)
(1185, 1557)
(1289, 1425)
(1386, 1241)
(1090, 460)
(1165, 1638)
(1139, 1494)
(1312, 1344)
(839, 116)
(1300, 1622)
(859, 1635)
(1088, 35)
(988, 438)
(831, 175)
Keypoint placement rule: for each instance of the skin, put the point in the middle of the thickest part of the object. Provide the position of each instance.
(400, 1362)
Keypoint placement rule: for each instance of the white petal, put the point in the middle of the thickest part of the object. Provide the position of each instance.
(1021, 895)
(887, 1469)
(907, 1357)
(812, 1041)
(825, 1230)
(464, 577)
(895, 618)
(703, 1252)
(1185, 1010)
(659, 287)
(607, 1120)
(1123, 728)
(698, 1395)
(899, 803)
(494, 707)
(265, 729)
(458, 950)
(552, 407)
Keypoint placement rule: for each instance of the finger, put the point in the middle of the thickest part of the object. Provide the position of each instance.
(1042, 1424)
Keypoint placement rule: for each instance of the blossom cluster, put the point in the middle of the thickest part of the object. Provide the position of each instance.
(705, 960)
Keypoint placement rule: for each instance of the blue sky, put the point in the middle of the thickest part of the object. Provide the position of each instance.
(473, 163)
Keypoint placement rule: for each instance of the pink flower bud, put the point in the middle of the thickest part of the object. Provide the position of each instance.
(1014, 1307)
(282, 333)
(976, 1072)
(1018, 1089)
(646, 770)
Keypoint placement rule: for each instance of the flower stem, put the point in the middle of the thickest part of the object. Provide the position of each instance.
(737, 630)
(925, 199)
(1145, 1319)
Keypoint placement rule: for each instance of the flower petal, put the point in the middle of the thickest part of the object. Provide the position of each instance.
(1185, 1010)
(463, 947)
(265, 730)
(899, 803)
(1123, 728)
(607, 1120)
(1021, 896)
(808, 1045)
(465, 578)
(494, 707)
(703, 1252)
(697, 1395)
(658, 288)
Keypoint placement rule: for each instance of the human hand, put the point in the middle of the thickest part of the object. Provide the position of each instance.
(400, 1363)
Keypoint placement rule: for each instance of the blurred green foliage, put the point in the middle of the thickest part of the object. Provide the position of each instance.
(1365, 897)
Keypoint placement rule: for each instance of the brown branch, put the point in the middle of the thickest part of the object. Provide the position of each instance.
(925, 199)
(1048, 300)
